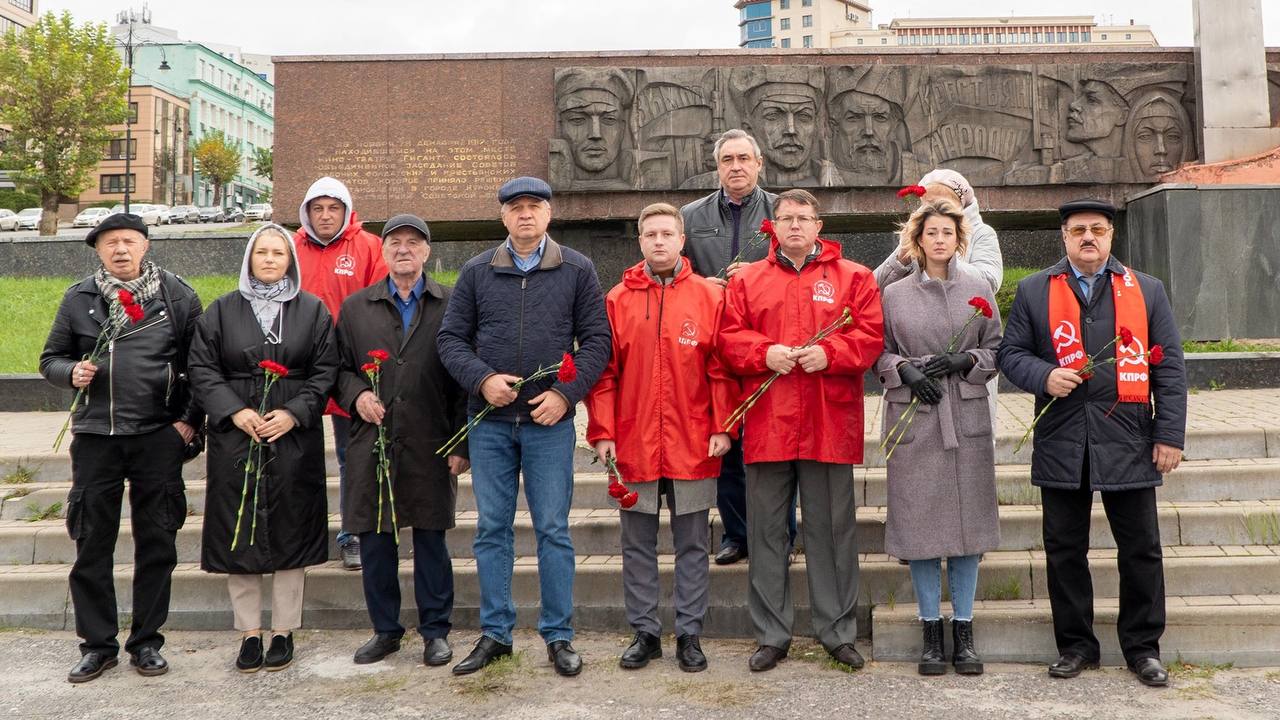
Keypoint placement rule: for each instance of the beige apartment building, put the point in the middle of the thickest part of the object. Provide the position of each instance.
(159, 159)
(17, 14)
(847, 23)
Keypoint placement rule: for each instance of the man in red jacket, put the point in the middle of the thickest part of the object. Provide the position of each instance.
(806, 429)
(336, 258)
(658, 410)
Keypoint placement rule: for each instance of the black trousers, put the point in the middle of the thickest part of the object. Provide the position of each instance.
(1134, 524)
(432, 582)
(100, 464)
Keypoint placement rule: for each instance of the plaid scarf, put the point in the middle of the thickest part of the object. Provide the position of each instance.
(144, 287)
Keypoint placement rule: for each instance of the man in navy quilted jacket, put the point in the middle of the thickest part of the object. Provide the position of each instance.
(518, 308)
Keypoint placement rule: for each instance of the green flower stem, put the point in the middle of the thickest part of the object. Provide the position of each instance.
(755, 240)
(461, 435)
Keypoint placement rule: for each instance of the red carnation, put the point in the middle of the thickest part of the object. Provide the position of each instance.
(766, 227)
(380, 355)
(274, 368)
(1087, 376)
(916, 190)
(1126, 337)
(371, 368)
(629, 499)
(125, 297)
(981, 305)
(134, 311)
(568, 371)
(1156, 355)
(617, 490)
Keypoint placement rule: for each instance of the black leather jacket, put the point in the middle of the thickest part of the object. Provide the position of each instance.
(150, 390)
(708, 229)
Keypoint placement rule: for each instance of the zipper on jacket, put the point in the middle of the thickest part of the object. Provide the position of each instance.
(524, 285)
(137, 330)
(662, 394)
(111, 388)
(168, 383)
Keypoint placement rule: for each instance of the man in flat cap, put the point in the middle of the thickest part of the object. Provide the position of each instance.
(593, 106)
(135, 422)
(518, 308)
(782, 105)
(418, 404)
(1116, 427)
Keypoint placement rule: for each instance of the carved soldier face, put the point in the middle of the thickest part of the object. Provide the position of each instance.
(1096, 112)
(1159, 139)
(788, 124)
(593, 123)
(862, 132)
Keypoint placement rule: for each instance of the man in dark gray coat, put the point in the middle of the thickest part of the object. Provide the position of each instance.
(1102, 432)
(719, 228)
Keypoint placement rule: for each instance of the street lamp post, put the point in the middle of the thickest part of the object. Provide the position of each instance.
(129, 46)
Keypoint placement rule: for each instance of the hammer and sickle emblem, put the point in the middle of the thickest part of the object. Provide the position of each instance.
(1135, 352)
(1065, 336)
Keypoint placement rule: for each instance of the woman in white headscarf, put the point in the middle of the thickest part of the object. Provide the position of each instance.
(278, 523)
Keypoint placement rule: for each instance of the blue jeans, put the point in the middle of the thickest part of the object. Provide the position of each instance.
(962, 576)
(341, 436)
(500, 451)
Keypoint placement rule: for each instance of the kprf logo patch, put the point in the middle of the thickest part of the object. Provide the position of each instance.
(344, 265)
(824, 292)
(689, 333)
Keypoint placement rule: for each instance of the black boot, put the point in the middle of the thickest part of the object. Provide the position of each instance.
(644, 647)
(963, 655)
(933, 661)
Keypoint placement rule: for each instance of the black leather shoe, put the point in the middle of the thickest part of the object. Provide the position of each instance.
(378, 647)
(436, 652)
(250, 658)
(280, 654)
(933, 661)
(350, 554)
(964, 654)
(564, 658)
(149, 663)
(847, 654)
(486, 651)
(730, 554)
(766, 657)
(91, 665)
(643, 648)
(1070, 665)
(1150, 672)
(689, 654)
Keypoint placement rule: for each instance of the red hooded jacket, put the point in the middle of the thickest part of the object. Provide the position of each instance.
(665, 390)
(803, 416)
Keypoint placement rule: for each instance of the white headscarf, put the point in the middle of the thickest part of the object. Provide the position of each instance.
(265, 299)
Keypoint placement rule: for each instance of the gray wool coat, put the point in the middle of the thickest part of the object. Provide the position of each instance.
(941, 477)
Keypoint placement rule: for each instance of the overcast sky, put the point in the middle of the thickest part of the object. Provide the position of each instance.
(394, 26)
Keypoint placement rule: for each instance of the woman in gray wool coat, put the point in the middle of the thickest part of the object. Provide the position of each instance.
(941, 474)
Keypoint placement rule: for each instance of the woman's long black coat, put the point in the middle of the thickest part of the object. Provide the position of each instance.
(293, 518)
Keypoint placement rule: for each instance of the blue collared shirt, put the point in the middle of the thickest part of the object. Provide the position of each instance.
(1088, 282)
(407, 307)
(531, 262)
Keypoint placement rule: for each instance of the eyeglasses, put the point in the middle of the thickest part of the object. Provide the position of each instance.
(1078, 231)
(795, 219)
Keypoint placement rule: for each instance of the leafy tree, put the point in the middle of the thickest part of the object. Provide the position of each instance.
(218, 159)
(62, 87)
(262, 161)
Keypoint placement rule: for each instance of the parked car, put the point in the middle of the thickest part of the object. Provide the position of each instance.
(90, 217)
(184, 214)
(29, 219)
(259, 211)
(233, 214)
(149, 213)
(165, 217)
(212, 214)
(8, 219)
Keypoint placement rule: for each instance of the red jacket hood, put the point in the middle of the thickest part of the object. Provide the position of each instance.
(635, 277)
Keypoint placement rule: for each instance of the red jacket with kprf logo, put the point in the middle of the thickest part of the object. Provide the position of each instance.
(665, 391)
(803, 416)
(352, 262)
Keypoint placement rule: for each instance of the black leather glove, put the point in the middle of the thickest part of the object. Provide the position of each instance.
(922, 386)
(944, 364)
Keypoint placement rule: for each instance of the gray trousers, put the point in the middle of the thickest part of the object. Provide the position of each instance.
(830, 549)
(640, 584)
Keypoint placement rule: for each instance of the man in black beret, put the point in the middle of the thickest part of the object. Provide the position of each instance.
(1098, 340)
(136, 421)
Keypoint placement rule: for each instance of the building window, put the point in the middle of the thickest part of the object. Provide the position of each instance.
(784, 24)
(786, 42)
(915, 39)
(28, 5)
(784, 4)
(806, 21)
(1104, 36)
(1128, 36)
(115, 149)
(859, 41)
(986, 38)
(884, 41)
(999, 38)
(759, 44)
(1026, 38)
(1084, 36)
(1062, 37)
(806, 3)
(133, 113)
(808, 41)
(109, 184)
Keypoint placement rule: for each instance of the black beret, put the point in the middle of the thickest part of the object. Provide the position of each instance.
(521, 186)
(406, 220)
(116, 221)
(1101, 207)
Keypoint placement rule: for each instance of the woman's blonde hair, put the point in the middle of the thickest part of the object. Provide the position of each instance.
(910, 232)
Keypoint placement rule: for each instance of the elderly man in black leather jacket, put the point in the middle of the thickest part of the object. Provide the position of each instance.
(136, 421)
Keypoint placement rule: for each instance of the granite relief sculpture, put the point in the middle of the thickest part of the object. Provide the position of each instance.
(873, 125)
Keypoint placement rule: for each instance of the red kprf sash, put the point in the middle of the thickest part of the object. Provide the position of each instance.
(1132, 369)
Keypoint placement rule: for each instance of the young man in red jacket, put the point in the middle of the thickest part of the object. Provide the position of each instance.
(337, 258)
(658, 410)
(806, 430)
